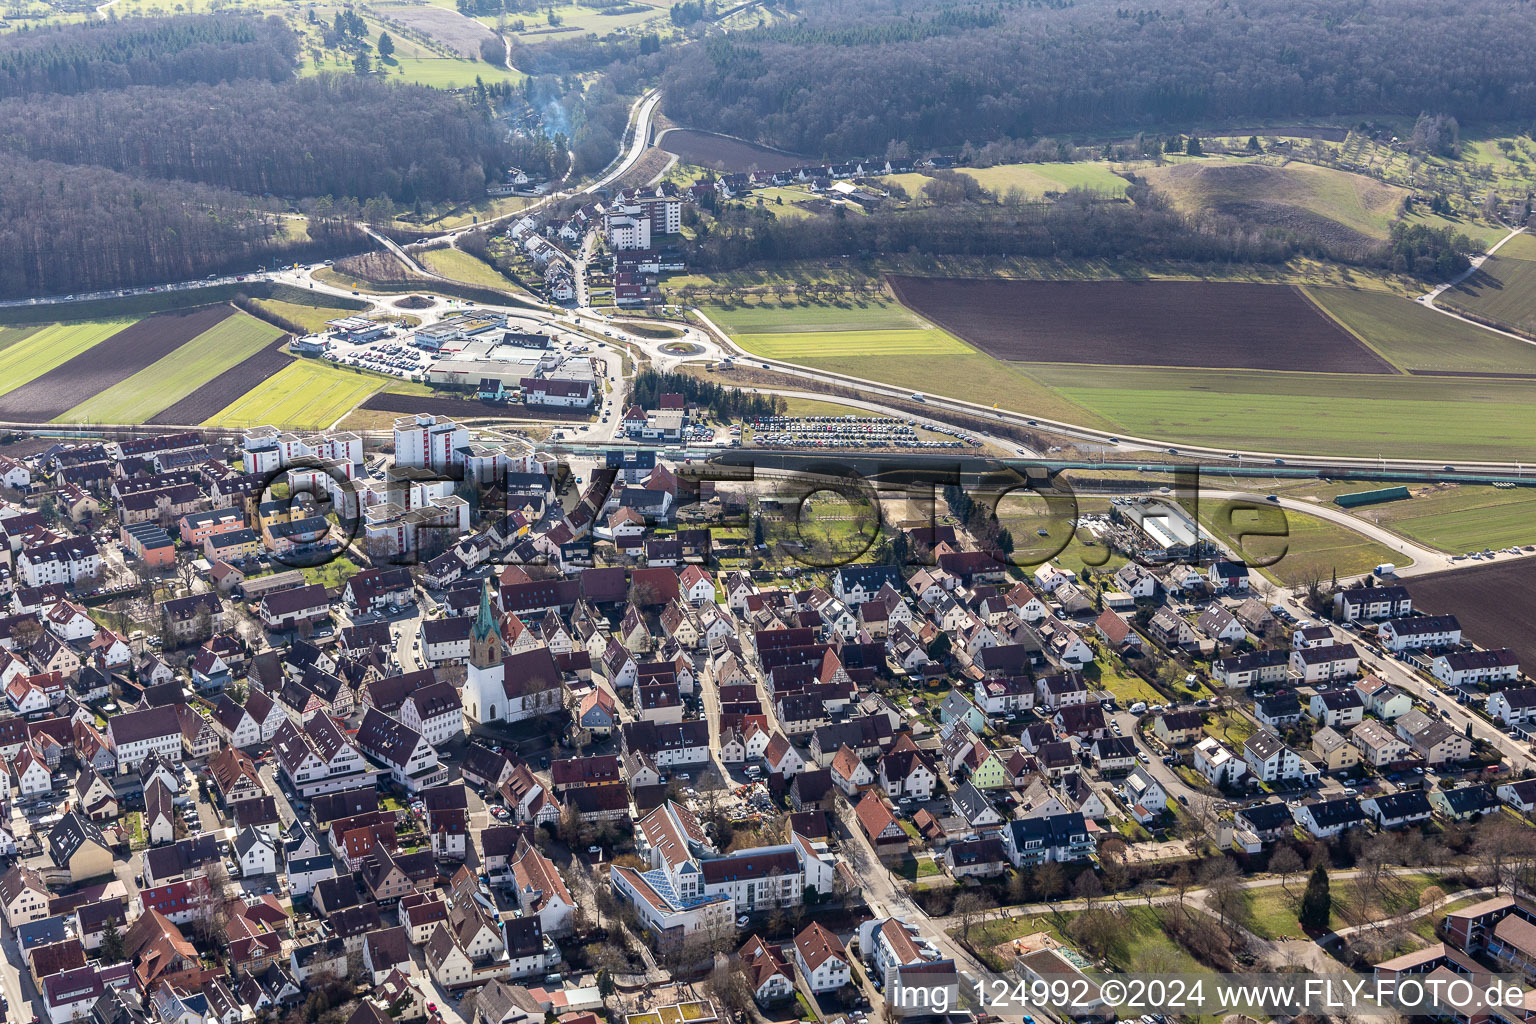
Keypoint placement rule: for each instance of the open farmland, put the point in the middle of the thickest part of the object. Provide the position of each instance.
(458, 33)
(177, 374)
(1040, 179)
(109, 359)
(1503, 290)
(35, 351)
(1162, 323)
(795, 332)
(1327, 414)
(1462, 517)
(1349, 213)
(859, 338)
(213, 395)
(1420, 340)
(797, 346)
(1492, 602)
(723, 153)
(794, 317)
(306, 394)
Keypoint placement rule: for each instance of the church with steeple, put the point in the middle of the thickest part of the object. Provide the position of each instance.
(507, 685)
(485, 684)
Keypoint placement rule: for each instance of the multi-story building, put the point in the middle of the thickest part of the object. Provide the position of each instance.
(427, 442)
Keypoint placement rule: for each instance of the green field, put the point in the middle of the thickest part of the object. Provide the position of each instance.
(1503, 290)
(446, 72)
(809, 318)
(1462, 517)
(461, 266)
(1024, 514)
(1330, 414)
(1416, 338)
(801, 346)
(306, 394)
(312, 318)
(878, 339)
(176, 375)
(29, 355)
(1034, 180)
(12, 335)
(579, 21)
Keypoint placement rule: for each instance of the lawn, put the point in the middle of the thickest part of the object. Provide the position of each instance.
(1310, 548)
(1327, 414)
(1271, 911)
(306, 394)
(1503, 289)
(446, 72)
(28, 357)
(912, 868)
(173, 377)
(461, 266)
(1111, 674)
(1024, 513)
(1414, 337)
(333, 573)
(1231, 728)
(311, 318)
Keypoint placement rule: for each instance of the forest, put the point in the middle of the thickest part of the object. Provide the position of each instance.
(336, 135)
(165, 51)
(159, 149)
(1077, 226)
(852, 79)
(78, 229)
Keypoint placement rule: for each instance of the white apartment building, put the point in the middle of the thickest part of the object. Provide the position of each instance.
(426, 442)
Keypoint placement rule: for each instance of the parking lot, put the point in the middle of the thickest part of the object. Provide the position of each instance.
(391, 354)
(853, 432)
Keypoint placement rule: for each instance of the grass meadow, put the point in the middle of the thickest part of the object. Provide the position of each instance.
(461, 266)
(1413, 337)
(1503, 290)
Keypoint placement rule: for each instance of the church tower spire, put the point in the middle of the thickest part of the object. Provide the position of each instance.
(484, 637)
